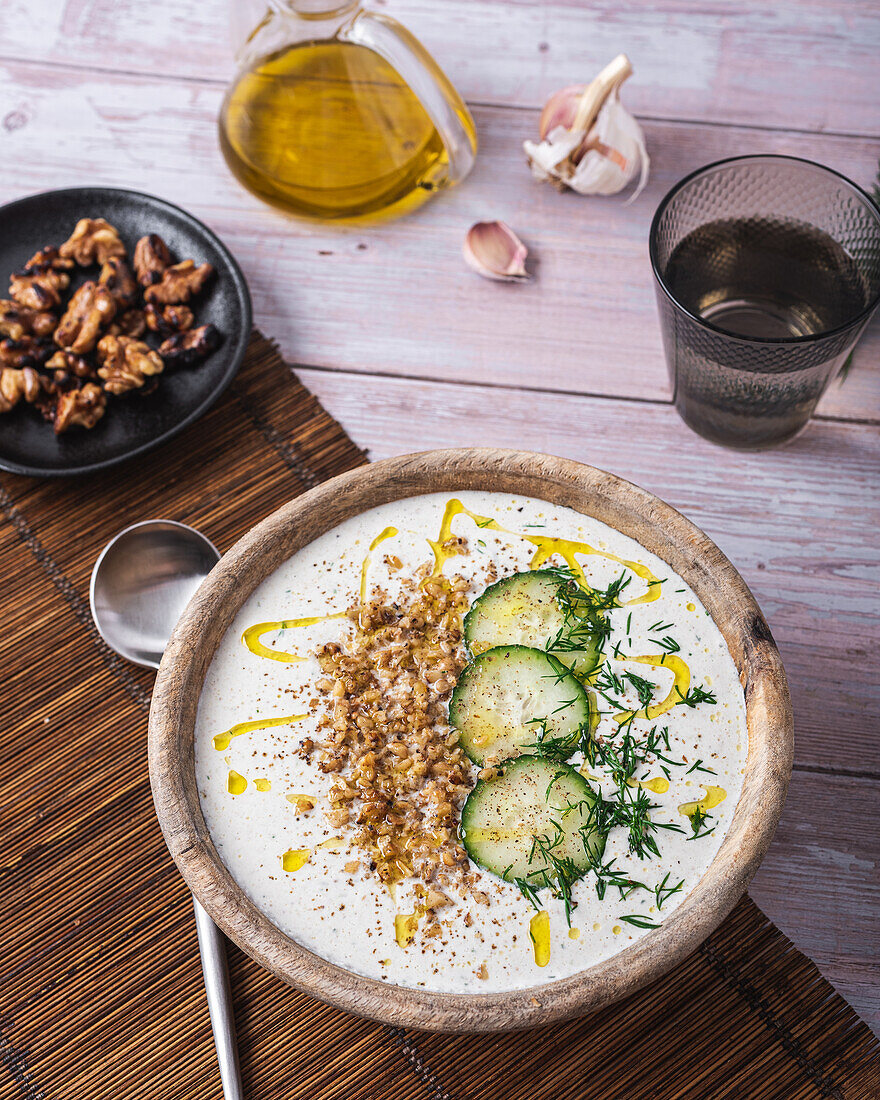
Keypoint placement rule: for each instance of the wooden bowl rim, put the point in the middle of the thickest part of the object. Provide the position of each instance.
(633, 511)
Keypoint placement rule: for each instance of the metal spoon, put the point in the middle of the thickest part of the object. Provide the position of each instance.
(141, 582)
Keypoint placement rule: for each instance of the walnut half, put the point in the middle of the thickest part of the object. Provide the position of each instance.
(151, 257)
(17, 321)
(126, 363)
(187, 348)
(91, 307)
(17, 385)
(93, 240)
(179, 283)
(116, 276)
(83, 408)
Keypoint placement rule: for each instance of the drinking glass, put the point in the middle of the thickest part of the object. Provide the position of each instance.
(767, 270)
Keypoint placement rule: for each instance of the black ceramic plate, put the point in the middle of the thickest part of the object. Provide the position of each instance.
(132, 424)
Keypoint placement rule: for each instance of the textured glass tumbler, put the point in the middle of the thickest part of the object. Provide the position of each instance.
(767, 271)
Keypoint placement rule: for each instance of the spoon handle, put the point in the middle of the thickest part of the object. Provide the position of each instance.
(213, 951)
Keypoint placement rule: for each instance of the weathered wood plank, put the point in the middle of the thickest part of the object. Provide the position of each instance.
(405, 303)
(791, 64)
(806, 544)
(820, 882)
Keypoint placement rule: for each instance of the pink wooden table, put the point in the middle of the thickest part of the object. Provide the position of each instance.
(410, 350)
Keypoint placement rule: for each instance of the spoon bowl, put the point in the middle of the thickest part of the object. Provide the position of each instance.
(141, 583)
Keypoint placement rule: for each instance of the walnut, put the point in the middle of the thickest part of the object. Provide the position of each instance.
(179, 283)
(16, 385)
(168, 320)
(91, 307)
(126, 364)
(131, 323)
(68, 366)
(29, 351)
(48, 258)
(151, 257)
(38, 288)
(116, 276)
(17, 321)
(92, 241)
(187, 348)
(83, 407)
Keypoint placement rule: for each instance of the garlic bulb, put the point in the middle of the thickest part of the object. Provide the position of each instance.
(589, 142)
(494, 251)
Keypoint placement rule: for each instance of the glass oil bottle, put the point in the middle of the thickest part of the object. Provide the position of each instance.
(340, 114)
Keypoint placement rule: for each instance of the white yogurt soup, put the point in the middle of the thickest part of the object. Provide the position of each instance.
(470, 742)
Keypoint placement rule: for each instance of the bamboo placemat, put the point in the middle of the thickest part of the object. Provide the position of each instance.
(100, 988)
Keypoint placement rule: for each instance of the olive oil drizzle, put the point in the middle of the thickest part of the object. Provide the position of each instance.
(539, 933)
(677, 692)
(221, 740)
(251, 637)
(713, 797)
(546, 547)
(388, 533)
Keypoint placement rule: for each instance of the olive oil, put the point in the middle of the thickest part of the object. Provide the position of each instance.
(329, 130)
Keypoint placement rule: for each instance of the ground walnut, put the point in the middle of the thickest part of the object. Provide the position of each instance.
(179, 283)
(126, 363)
(91, 308)
(18, 385)
(80, 408)
(94, 240)
(186, 348)
(17, 321)
(151, 257)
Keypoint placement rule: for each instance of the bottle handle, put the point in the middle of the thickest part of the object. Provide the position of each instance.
(444, 106)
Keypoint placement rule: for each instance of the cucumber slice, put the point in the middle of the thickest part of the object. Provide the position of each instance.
(511, 697)
(538, 609)
(533, 823)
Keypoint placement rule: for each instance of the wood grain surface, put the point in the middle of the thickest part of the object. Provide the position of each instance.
(119, 92)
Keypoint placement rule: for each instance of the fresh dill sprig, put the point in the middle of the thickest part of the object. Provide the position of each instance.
(698, 820)
(695, 696)
(698, 767)
(639, 921)
(662, 892)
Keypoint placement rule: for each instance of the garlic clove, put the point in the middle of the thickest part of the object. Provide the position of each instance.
(560, 109)
(589, 142)
(494, 251)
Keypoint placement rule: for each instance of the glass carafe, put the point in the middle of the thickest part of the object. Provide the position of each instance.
(340, 114)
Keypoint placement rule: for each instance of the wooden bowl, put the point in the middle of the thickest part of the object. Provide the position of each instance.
(592, 492)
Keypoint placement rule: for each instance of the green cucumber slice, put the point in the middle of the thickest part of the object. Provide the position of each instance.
(533, 823)
(539, 609)
(510, 698)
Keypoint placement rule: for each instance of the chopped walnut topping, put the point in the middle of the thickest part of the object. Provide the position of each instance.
(302, 803)
(483, 972)
(93, 240)
(151, 257)
(400, 773)
(83, 408)
(38, 289)
(126, 364)
(116, 276)
(29, 351)
(188, 348)
(179, 283)
(168, 320)
(90, 308)
(18, 385)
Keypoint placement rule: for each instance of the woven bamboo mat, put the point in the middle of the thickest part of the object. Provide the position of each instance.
(100, 986)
